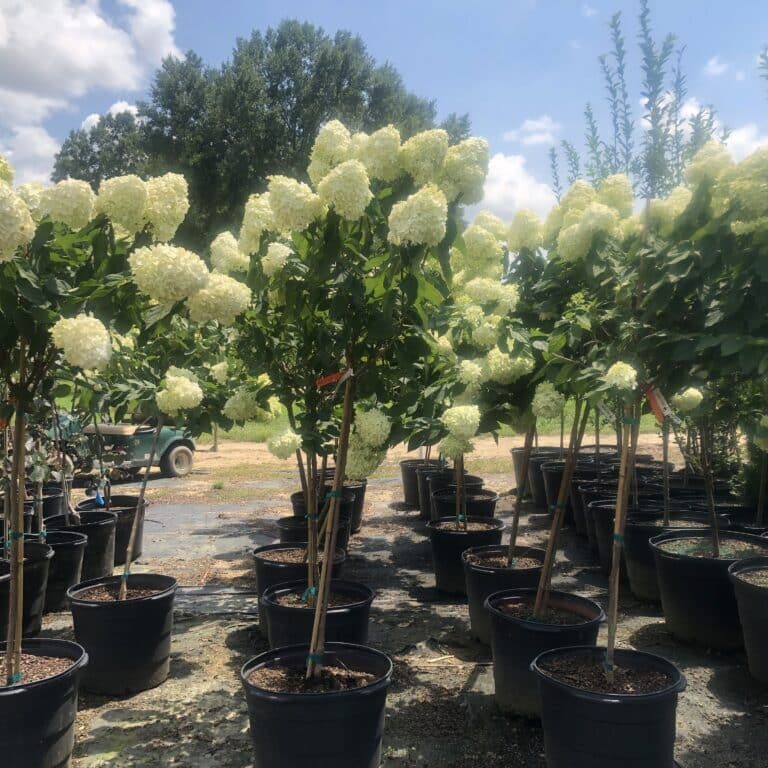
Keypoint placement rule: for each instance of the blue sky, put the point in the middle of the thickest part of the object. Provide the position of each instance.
(523, 69)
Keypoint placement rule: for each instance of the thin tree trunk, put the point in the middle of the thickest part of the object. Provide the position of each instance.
(709, 484)
(761, 492)
(665, 475)
(312, 511)
(303, 477)
(138, 517)
(521, 482)
(215, 446)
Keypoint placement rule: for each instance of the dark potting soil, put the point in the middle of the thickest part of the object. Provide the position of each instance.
(758, 577)
(295, 600)
(500, 561)
(730, 549)
(282, 680)
(589, 675)
(298, 555)
(675, 524)
(449, 525)
(35, 668)
(557, 616)
(111, 594)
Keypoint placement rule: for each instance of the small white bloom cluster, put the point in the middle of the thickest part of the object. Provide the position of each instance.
(492, 223)
(168, 273)
(464, 170)
(275, 259)
(525, 232)
(331, 148)
(420, 219)
(688, 400)
(372, 426)
(32, 194)
(167, 204)
(16, 226)
(621, 376)
(219, 372)
(616, 192)
(284, 445)
(257, 219)
(662, 212)
(379, 152)
(574, 241)
(506, 369)
(462, 421)
(226, 256)
(483, 290)
(483, 251)
(123, 199)
(471, 375)
(6, 171)
(180, 392)
(486, 334)
(363, 459)
(423, 154)
(346, 189)
(69, 202)
(760, 438)
(454, 448)
(709, 163)
(294, 205)
(444, 347)
(547, 403)
(124, 342)
(84, 340)
(243, 405)
(222, 299)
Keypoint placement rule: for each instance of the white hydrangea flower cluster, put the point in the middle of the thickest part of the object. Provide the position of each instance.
(180, 392)
(547, 403)
(483, 290)
(462, 421)
(220, 372)
(363, 459)
(122, 342)
(243, 405)
(284, 445)
(708, 164)
(226, 256)
(444, 347)
(372, 426)
(257, 219)
(662, 212)
(294, 205)
(760, 438)
(483, 255)
(616, 192)
(16, 226)
(422, 155)
(464, 170)
(492, 223)
(347, 189)
(123, 199)
(743, 190)
(473, 315)
(503, 368)
(168, 273)
(379, 152)
(84, 341)
(32, 194)
(6, 171)
(331, 148)
(574, 241)
(275, 259)
(631, 227)
(222, 299)
(525, 232)
(688, 400)
(471, 375)
(167, 204)
(454, 448)
(508, 299)
(70, 202)
(420, 219)
(486, 334)
(621, 376)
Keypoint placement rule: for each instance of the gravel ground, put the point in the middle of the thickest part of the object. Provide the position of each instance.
(441, 710)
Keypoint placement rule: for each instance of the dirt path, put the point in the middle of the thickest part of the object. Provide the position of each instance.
(441, 712)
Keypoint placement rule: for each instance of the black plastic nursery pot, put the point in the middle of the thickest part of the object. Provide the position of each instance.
(535, 477)
(359, 489)
(423, 477)
(552, 472)
(53, 499)
(125, 508)
(293, 530)
(446, 482)
(696, 592)
(483, 579)
(37, 720)
(128, 641)
(339, 729)
(99, 527)
(516, 642)
(272, 572)
(752, 601)
(603, 515)
(479, 503)
(448, 544)
(585, 729)
(408, 471)
(66, 567)
(292, 624)
(37, 563)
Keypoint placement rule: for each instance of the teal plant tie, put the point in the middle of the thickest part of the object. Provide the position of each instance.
(16, 677)
(309, 592)
(313, 516)
(316, 657)
(607, 666)
(15, 535)
(555, 507)
(462, 518)
(631, 422)
(334, 495)
(619, 538)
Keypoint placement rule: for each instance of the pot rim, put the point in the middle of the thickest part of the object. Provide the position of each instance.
(504, 548)
(750, 564)
(492, 523)
(531, 592)
(416, 462)
(293, 586)
(340, 556)
(302, 648)
(486, 493)
(678, 685)
(77, 664)
(657, 541)
(72, 592)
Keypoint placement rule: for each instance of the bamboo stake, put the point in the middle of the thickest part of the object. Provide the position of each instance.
(629, 444)
(16, 535)
(665, 471)
(302, 478)
(577, 434)
(706, 464)
(521, 481)
(137, 518)
(562, 432)
(317, 643)
(598, 459)
(312, 510)
(762, 490)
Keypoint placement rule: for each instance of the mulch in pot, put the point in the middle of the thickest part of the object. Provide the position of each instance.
(731, 549)
(286, 680)
(553, 616)
(296, 600)
(446, 525)
(105, 594)
(36, 668)
(494, 560)
(758, 577)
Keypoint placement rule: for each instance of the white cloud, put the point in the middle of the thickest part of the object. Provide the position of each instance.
(535, 132)
(52, 52)
(119, 106)
(587, 11)
(30, 148)
(90, 121)
(745, 140)
(716, 67)
(510, 186)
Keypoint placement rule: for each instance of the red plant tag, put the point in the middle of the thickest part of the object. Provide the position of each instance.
(331, 378)
(658, 403)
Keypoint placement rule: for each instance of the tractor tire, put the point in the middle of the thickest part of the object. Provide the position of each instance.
(177, 461)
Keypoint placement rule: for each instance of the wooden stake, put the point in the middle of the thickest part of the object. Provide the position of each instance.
(312, 512)
(709, 484)
(665, 471)
(138, 517)
(317, 643)
(521, 482)
(762, 490)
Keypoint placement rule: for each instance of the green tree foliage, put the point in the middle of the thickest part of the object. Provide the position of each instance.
(227, 128)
